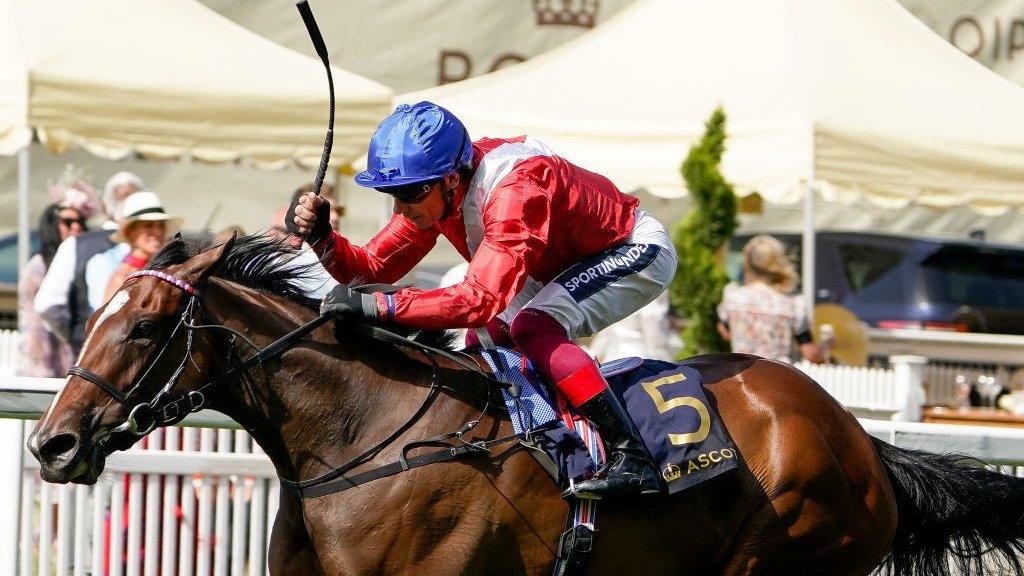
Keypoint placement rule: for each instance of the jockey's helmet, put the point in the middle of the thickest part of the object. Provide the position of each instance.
(417, 143)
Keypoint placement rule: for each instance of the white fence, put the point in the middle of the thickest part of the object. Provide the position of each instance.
(894, 393)
(8, 352)
(212, 516)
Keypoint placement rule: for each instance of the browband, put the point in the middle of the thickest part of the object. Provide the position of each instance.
(184, 286)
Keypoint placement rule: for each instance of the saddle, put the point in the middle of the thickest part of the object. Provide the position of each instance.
(666, 401)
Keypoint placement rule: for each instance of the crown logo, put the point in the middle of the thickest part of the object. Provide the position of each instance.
(581, 13)
(671, 473)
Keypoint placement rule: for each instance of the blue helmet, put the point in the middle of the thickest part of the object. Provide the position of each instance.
(416, 143)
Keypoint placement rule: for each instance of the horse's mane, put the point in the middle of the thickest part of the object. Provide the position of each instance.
(266, 263)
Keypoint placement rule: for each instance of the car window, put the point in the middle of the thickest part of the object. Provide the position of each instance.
(9, 261)
(863, 265)
(9, 256)
(975, 276)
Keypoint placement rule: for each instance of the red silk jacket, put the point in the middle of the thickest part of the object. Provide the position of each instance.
(525, 213)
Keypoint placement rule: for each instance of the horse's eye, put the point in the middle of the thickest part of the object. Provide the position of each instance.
(144, 329)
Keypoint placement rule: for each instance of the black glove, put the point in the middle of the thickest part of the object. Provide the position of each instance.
(343, 301)
(322, 226)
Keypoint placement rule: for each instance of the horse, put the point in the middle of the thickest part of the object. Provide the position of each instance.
(813, 493)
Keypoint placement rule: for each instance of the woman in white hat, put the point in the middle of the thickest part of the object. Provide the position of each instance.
(144, 227)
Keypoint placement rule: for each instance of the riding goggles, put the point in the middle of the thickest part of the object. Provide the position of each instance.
(410, 193)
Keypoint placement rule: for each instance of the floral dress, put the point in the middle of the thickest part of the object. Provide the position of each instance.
(762, 320)
(40, 352)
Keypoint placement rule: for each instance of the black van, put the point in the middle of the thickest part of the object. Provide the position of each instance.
(892, 281)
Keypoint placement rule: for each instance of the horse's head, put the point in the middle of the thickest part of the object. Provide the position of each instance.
(135, 371)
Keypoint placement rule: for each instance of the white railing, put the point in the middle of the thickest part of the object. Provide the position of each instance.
(212, 516)
(940, 346)
(894, 393)
(991, 444)
(8, 352)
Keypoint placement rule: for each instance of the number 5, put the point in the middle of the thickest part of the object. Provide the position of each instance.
(665, 405)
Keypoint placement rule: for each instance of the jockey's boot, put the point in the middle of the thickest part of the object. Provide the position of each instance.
(627, 471)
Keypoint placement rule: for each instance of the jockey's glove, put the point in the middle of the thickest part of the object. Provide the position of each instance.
(322, 226)
(343, 301)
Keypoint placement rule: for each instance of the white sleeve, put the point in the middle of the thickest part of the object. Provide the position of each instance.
(317, 281)
(52, 298)
(800, 323)
(96, 269)
(726, 303)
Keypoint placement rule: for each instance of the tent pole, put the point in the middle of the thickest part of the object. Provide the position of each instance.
(807, 260)
(807, 267)
(23, 226)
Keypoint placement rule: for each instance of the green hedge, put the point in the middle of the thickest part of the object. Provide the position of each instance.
(699, 238)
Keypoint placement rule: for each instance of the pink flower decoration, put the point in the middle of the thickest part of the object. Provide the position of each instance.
(82, 200)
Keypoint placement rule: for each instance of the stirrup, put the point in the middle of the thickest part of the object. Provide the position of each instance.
(647, 484)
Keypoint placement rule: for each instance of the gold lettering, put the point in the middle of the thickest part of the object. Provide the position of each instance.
(664, 405)
(690, 467)
(713, 455)
(703, 459)
(730, 453)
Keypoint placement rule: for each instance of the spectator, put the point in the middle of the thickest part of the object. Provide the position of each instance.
(62, 298)
(760, 317)
(100, 267)
(144, 228)
(41, 353)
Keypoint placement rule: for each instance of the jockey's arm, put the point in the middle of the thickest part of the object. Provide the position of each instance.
(515, 233)
(387, 257)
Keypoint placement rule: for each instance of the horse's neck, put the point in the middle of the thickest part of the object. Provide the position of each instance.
(322, 402)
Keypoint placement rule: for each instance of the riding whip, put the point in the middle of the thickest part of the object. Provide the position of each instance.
(321, 51)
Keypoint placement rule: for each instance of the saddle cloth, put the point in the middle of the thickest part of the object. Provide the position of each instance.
(666, 401)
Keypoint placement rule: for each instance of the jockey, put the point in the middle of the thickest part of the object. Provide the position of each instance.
(555, 252)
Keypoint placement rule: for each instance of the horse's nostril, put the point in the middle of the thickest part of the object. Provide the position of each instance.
(58, 447)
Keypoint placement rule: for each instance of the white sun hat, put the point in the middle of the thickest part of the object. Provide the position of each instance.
(143, 206)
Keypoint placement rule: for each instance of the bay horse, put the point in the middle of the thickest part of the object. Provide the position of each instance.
(813, 494)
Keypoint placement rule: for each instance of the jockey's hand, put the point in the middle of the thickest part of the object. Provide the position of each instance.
(310, 216)
(343, 301)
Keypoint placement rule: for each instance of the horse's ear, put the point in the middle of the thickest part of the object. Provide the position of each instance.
(198, 268)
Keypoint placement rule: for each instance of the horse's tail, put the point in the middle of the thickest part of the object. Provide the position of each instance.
(951, 512)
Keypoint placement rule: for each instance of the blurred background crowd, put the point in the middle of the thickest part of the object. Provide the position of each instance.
(86, 244)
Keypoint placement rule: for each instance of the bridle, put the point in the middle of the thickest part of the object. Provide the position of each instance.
(166, 410)
(161, 410)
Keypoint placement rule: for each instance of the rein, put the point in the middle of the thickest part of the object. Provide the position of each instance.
(145, 417)
(166, 413)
